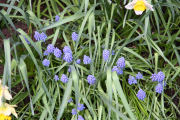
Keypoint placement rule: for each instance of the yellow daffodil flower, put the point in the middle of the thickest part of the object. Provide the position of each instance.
(139, 6)
(4, 117)
(4, 93)
(6, 110)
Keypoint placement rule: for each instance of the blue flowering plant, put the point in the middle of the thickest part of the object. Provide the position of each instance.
(90, 59)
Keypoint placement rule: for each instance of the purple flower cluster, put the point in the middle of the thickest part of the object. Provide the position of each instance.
(43, 36)
(132, 80)
(141, 94)
(159, 88)
(50, 48)
(139, 76)
(67, 54)
(78, 61)
(86, 60)
(105, 55)
(91, 79)
(74, 36)
(153, 77)
(121, 63)
(67, 49)
(37, 36)
(46, 62)
(56, 78)
(159, 77)
(68, 57)
(64, 78)
(80, 107)
(40, 36)
(57, 52)
(45, 53)
(118, 70)
(74, 111)
(57, 18)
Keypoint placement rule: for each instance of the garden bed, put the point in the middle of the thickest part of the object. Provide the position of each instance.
(89, 59)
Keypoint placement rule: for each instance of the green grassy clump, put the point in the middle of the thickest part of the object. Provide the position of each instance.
(149, 43)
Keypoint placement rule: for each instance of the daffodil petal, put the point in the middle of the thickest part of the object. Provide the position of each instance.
(138, 12)
(7, 109)
(149, 6)
(14, 112)
(130, 5)
(6, 93)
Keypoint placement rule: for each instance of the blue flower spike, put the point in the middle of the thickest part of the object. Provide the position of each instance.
(141, 94)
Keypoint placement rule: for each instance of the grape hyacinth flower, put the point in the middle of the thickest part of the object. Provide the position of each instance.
(159, 88)
(160, 76)
(45, 53)
(115, 68)
(56, 78)
(139, 76)
(153, 77)
(132, 80)
(80, 107)
(68, 57)
(37, 36)
(78, 61)
(46, 62)
(141, 94)
(50, 48)
(57, 18)
(105, 55)
(118, 70)
(74, 36)
(121, 62)
(86, 60)
(43, 36)
(64, 78)
(70, 100)
(57, 52)
(91, 79)
(80, 117)
(40, 36)
(67, 49)
(74, 112)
